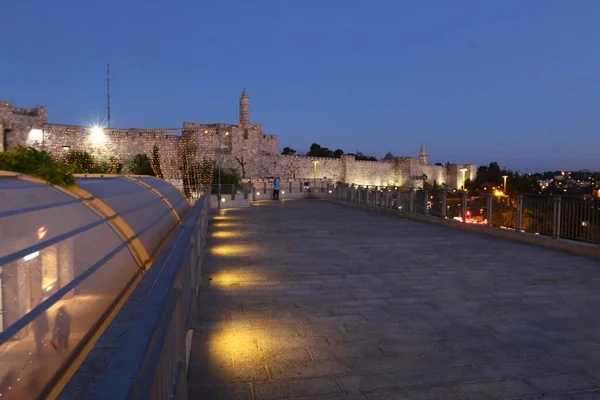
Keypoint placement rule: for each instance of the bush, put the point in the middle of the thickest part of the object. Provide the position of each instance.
(41, 164)
(85, 163)
(140, 165)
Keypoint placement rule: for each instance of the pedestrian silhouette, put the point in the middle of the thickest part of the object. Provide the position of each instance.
(41, 327)
(62, 329)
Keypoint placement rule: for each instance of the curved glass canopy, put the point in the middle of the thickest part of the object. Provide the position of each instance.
(65, 256)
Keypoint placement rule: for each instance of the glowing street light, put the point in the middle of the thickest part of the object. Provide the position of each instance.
(464, 172)
(98, 135)
(505, 177)
(315, 168)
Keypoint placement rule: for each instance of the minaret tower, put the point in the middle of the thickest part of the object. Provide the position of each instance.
(423, 155)
(244, 110)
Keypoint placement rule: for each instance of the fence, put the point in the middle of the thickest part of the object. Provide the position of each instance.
(555, 216)
(152, 361)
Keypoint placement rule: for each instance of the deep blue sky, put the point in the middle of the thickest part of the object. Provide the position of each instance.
(515, 81)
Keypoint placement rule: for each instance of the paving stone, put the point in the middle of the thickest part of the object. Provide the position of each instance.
(307, 369)
(296, 388)
(437, 376)
(220, 392)
(381, 364)
(422, 393)
(565, 382)
(387, 380)
(316, 290)
(491, 390)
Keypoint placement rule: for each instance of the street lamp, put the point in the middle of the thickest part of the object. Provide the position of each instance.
(464, 171)
(504, 177)
(219, 194)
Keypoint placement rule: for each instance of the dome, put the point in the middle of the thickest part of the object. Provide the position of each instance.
(66, 255)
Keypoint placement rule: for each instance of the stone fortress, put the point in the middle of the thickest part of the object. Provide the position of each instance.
(244, 147)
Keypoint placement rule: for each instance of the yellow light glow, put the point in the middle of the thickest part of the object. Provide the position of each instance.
(235, 250)
(227, 133)
(41, 232)
(222, 217)
(225, 225)
(222, 199)
(228, 234)
(499, 193)
(98, 135)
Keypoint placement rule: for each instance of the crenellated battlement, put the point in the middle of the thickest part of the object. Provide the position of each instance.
(244, 147)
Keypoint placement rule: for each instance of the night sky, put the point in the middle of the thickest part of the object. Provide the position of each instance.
(515, 81)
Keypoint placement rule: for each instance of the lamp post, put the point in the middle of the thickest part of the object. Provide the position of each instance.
(504, 177)
(464, 171)
(219, 194)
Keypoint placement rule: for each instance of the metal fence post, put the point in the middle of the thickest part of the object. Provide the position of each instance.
(426, 201)
(464, 206)
(253, 192)
(489, 201)
(397, 199)
(411, 201)
(376, 196)
(556, 217)
(519, 218)
(444, 203)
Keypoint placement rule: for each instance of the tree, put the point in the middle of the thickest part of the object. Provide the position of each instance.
(288, 151)
(338, 153)
(140, 165)
(361, 157)
(41, 164)
(156, 162)
(240, 160)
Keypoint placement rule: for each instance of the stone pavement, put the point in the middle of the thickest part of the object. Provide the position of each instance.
(306, 299)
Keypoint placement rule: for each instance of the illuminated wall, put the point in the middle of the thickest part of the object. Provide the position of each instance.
(17, 123)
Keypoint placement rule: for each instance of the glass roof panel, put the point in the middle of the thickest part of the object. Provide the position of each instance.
(173, 194)
(143, 210)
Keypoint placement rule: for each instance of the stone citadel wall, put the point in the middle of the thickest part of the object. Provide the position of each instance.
(243, 147)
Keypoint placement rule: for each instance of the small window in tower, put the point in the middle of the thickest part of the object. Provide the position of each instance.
(245, 133)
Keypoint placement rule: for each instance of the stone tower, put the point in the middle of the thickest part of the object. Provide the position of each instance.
(423, 155)
(244, 110)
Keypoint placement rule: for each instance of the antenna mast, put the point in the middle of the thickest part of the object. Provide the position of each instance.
(108, 93)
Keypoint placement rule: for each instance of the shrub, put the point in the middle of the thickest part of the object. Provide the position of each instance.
(41, 164)
(140, 165)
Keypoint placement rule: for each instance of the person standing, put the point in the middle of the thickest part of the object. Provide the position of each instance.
(62, 329)
(41, 327)
(276, 187)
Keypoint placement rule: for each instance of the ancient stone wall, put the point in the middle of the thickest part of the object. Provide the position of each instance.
(244, 147)
(17, 123)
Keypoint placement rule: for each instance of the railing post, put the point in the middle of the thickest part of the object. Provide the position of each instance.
(519, 219)
(444, 203)
(397, 199)
(464, 206)
(426, 200)
(556, 218)
(375, 198)
(490, 202)
(411, 200)
(253, 192)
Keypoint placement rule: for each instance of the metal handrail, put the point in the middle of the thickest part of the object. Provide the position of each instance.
(150, 363)
(560, 217)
